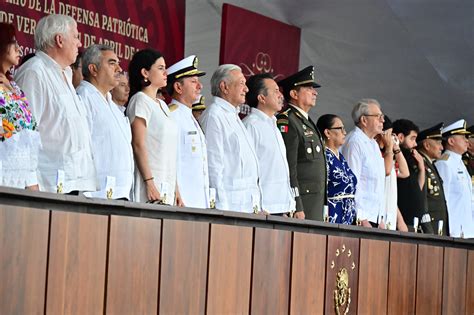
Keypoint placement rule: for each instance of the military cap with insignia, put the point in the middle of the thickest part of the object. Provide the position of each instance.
(304, 77)
(200, 103)
(430, 133)
(182, 69)
(471, 131)
(456, 128)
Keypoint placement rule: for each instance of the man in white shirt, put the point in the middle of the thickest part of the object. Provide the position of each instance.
(65, 159)
(192, 169)
(265, 99)
(121, 91)
(366, 162)
(456, 180)
(233, 165)
(111, 133)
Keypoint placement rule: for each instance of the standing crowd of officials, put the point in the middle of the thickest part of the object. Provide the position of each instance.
(109, 134)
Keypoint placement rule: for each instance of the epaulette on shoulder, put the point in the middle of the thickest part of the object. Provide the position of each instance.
(444, 157)
(282, 118)
(173, 107)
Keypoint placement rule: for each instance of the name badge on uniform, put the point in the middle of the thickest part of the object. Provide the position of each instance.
(60, 176)
(164, 191)
(255, 204)
(110, 186)
(191, 139)
(212, 198)
(440, 227)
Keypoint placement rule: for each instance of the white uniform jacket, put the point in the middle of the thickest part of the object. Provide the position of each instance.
(458, 193)
(192, 169)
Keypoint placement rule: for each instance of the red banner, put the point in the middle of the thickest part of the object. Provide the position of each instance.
(126, 25)
(258, 43)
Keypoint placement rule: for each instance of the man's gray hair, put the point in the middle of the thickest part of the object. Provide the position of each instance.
(50, 26)
(362, 108)
(93, 56)
(222, 73)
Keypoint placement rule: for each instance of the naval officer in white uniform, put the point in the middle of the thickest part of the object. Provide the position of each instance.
(233, 164)
(456, 180)
(192, 170)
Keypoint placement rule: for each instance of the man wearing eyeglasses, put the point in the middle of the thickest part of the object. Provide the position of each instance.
(364, 158)
(304, 146)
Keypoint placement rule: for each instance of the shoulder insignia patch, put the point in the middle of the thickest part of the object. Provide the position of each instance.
(444, 157)
(173, 107)
(282, 121)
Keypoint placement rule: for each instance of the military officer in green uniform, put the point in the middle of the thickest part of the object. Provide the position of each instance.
(430, 147)
(304, 145)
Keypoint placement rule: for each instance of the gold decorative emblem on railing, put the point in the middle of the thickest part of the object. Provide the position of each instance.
(342, 294)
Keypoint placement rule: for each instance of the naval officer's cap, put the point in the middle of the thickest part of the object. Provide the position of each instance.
(456, 128)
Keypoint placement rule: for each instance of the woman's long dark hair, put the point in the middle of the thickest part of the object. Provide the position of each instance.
(7, 37)
(143, 59)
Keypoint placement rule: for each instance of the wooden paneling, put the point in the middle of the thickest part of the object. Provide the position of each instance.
(342, 254)
(77, 262)
(271, 272)
(470, 284)
(133, 265)
(402, 274)
(183, 267)
(230, 265)
(308, 273)
(23, 257)
(454, 281)
(373, 277)
(429, 279)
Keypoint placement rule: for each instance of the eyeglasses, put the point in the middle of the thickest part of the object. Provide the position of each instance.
(378, 116)
(339, 128)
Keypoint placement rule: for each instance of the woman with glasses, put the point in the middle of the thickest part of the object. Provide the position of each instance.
(341, 180)
(154, 132)
(19, 138)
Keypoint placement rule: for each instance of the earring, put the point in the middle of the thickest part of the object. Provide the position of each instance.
(146, 80)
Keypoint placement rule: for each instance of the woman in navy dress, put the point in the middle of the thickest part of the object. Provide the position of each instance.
(341, 180)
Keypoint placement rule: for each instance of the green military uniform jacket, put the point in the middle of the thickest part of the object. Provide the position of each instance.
(306, 161)
(435, 196)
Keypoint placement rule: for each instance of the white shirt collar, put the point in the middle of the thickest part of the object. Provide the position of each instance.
(226, 105)
(261, 115)
(302, 112)
(181, 106)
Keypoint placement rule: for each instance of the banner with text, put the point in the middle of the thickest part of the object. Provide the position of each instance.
(258, 43)
(125, 25)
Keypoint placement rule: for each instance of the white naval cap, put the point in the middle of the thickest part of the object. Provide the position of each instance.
(456, 128)
(199, 103)
(184, 68)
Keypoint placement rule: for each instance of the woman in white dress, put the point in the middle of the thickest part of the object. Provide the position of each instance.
(154, 133)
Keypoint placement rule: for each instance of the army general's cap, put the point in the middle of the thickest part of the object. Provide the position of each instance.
(304, 77)
(430, 133)
(456, 128)
(184, 68)
(200, 104)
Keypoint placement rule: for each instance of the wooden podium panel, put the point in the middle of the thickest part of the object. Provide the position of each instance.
(23, 256)
(271, 272)
(308, 273)
(373, 276)
(470, 284)
(402, 274)
(77, 263)
(454, 281)
(230, 266)
(342, 259)
(133, 266)
(429, 279)
(183, 272)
